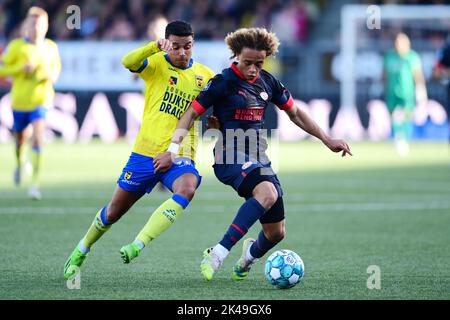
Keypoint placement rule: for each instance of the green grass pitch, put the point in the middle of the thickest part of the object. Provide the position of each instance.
(343, 215)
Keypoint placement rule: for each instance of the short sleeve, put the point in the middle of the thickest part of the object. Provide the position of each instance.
(210, 95)
(281, 96)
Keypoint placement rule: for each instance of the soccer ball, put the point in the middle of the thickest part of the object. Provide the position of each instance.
(284, 269)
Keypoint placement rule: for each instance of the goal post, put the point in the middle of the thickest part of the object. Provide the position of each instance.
(350, 14)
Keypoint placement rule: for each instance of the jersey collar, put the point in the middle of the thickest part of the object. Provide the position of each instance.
(191, 61)
(239, 73)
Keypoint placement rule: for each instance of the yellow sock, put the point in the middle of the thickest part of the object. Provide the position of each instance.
(35, 161)
(99, 226)
(162, 218)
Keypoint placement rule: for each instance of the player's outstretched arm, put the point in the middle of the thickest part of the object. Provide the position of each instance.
(163, 161)
(134, 59)
(10, 65)
(303, 121)
(10, 70)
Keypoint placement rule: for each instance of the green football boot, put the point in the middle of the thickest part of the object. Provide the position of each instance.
(210, 264)
(129, 252)
(74, 263)
(242, 266)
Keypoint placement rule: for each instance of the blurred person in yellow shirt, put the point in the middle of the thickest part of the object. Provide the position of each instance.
(34, 65)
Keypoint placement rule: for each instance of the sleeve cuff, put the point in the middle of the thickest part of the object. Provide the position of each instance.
(198, 107)
(141, 68)
(289, 104)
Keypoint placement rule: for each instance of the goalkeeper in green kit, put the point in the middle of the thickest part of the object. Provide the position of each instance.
(404, 87)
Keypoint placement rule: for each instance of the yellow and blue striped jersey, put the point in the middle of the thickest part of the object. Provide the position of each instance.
(169, 92)
(30, 90)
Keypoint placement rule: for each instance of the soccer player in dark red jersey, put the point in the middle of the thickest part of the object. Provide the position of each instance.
(239, 97)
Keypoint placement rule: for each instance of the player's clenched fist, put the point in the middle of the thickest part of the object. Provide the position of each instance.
(164, 45)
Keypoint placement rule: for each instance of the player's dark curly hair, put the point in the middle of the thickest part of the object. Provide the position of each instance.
(252, 38)
(179, 28)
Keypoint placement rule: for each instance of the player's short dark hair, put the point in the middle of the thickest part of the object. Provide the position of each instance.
(179, 28)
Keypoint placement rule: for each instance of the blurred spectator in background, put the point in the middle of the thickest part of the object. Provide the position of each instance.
(182, 10)
(291, 22)
(121, 29)
(12, 16)
(156, 28)
(404, 86)
(442, 72)
(125, 20)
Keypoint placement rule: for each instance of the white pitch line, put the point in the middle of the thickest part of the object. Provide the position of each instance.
(400, 206)
(357, 185)
(335, 207)
(214, 196)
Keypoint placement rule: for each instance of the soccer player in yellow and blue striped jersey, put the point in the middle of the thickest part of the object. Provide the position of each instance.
(33, 63)
(173, 80)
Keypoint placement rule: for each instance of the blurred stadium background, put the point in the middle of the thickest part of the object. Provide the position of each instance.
(343, 214)
(309, 62)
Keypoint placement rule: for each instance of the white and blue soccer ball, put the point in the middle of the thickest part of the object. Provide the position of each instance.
(284, 269)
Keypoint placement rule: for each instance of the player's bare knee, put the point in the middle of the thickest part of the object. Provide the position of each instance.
(185, 186)
(187, 191)
(20, 139)
(266, 194)
(113, 213)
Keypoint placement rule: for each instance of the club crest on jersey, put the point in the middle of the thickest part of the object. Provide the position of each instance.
(199, 80)
(128, 175)
(173, 80)
(264, 95)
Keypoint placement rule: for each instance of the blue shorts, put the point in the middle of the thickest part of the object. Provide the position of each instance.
(234, 175)
(138, 175)
(23, 118)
